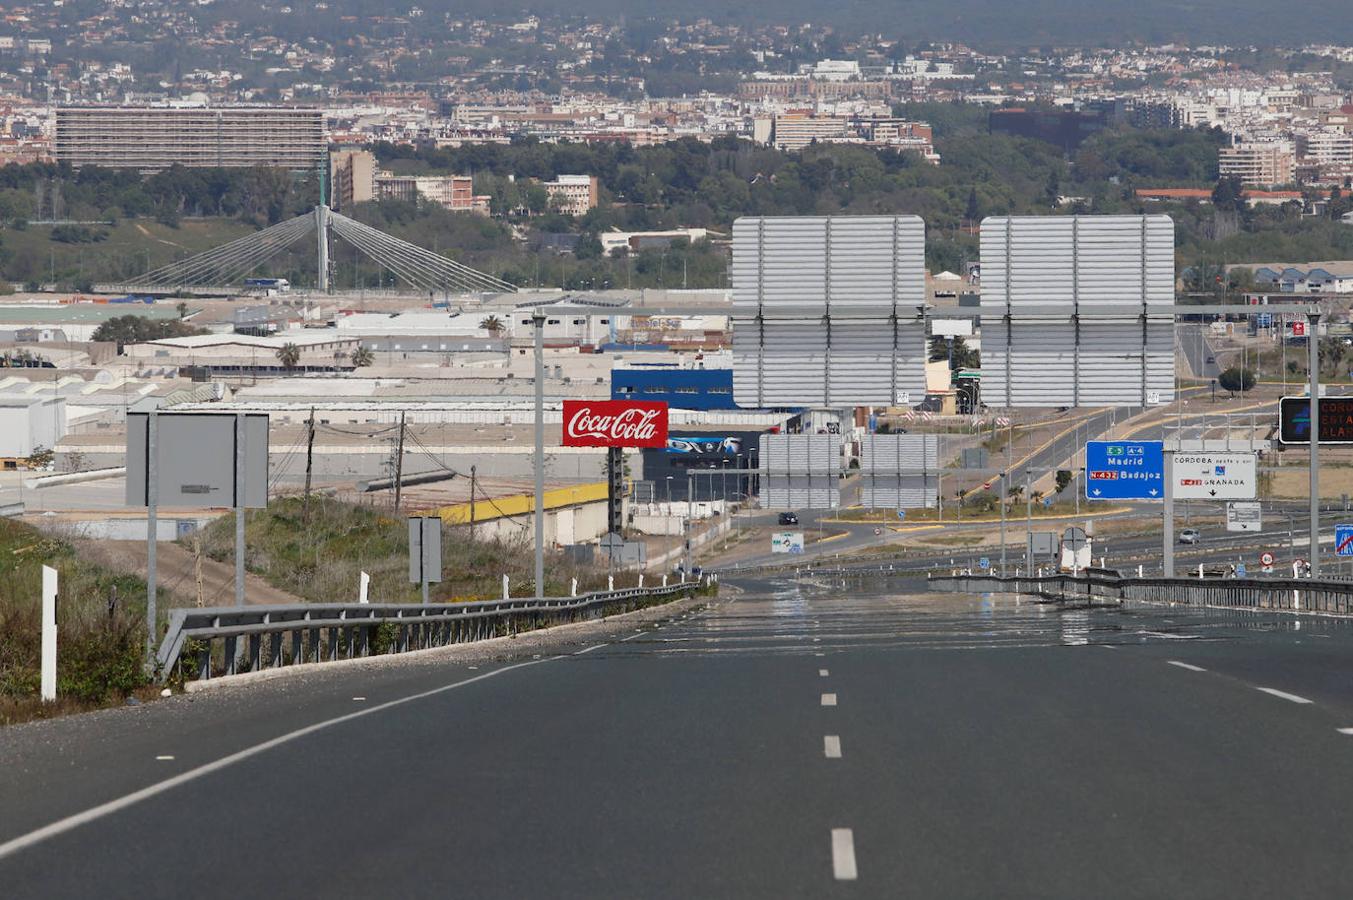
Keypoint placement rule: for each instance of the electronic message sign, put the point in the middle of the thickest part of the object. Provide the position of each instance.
(1336, 420)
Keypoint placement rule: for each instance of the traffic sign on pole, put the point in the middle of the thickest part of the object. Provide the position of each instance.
(1214, 476)
(1244, 516)
(1343, 540)
(1124, 470)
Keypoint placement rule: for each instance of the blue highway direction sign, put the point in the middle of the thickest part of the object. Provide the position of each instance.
(1124, 470)
(1343, 540)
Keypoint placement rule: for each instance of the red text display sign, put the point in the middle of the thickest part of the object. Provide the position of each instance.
(614, 423)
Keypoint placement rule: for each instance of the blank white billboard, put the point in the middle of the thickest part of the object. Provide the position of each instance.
(1076, 310)
(827, 311)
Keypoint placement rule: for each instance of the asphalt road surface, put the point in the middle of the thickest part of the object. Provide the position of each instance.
(792, 741)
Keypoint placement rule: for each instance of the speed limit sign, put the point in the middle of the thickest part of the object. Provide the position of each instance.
(1266, 558)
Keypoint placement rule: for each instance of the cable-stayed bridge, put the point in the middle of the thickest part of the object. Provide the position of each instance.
(224, 269)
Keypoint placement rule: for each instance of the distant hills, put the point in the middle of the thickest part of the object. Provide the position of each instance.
(988, 23)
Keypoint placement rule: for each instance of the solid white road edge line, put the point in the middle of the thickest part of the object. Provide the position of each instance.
(828, 699)
(1344, 730)
(61, 826)
(831, 746)
(1184, 665)
(822, 673)
(1283, 694)
(843, 854)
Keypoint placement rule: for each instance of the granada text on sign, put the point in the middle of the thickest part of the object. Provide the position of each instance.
(614, 423)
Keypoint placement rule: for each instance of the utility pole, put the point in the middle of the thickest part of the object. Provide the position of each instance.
(690, 515)
(472, 486)
(538, 319)
(1313, 343)
(1028, 521)
(309, 463)
(399, 463)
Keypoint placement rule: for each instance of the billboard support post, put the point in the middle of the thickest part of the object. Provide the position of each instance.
(1313, 343)
(239, 509)
(152, 526)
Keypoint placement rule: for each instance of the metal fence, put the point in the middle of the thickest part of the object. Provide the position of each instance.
(1289, 594)
(322, 632)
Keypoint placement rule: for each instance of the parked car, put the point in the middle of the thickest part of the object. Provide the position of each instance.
(788, 518)
(1189, 536)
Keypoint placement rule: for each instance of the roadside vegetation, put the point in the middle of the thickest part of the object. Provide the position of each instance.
(320, 556)
(101, 622)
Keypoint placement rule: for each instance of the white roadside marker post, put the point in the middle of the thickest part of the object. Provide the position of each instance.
(49, 583)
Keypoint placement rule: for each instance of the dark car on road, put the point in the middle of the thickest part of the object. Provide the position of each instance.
(789, 519)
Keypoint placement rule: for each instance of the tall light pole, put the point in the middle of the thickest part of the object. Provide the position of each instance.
(538, 320)
(1028, 521)
(1313, 343)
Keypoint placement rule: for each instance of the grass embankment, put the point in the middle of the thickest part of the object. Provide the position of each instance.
(101, 621)
(116, 252)
(321, 557)
(982, 509)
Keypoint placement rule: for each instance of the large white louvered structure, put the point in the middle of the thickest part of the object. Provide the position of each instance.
(828, 311)
(900, 471)
(1077, 310)
(800, 471)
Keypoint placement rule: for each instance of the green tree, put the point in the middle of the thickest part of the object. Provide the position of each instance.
(182, 309)
(493, 325)
(134, 329)
(1236, 380)
(362, 357)
(289, 355)
(40, 458)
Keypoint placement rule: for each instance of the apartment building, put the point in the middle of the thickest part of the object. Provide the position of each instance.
(1326, 148)
(572, 195)
(455, 192)
(153, 138)
(1258, 163)
(352, 178)
(795, 131)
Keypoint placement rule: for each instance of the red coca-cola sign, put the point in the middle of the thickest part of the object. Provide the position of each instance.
(614, 423)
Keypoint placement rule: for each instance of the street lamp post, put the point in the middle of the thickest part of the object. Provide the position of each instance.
(1028, 521)
(538, 319)
(1313, 343)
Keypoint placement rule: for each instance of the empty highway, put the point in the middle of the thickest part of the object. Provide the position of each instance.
(786, 741)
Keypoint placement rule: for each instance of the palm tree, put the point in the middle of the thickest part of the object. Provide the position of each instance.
(289, 355)
(493, 325)
(362, 357)
(182, 309)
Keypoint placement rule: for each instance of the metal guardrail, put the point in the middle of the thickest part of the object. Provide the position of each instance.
(1283, 594)
(319, 632)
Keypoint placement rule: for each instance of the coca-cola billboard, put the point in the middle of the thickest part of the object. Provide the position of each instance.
(614, 423)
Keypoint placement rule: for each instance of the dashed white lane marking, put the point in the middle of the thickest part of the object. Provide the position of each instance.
(164, 757)
(843, 854)
(1344, 730)
(61, 826)
(590, 649)
(828, 699)
(1284, 695)
(819, 654)
(831, 746)
(1189, 666)
(822, 673)
(359, 698)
